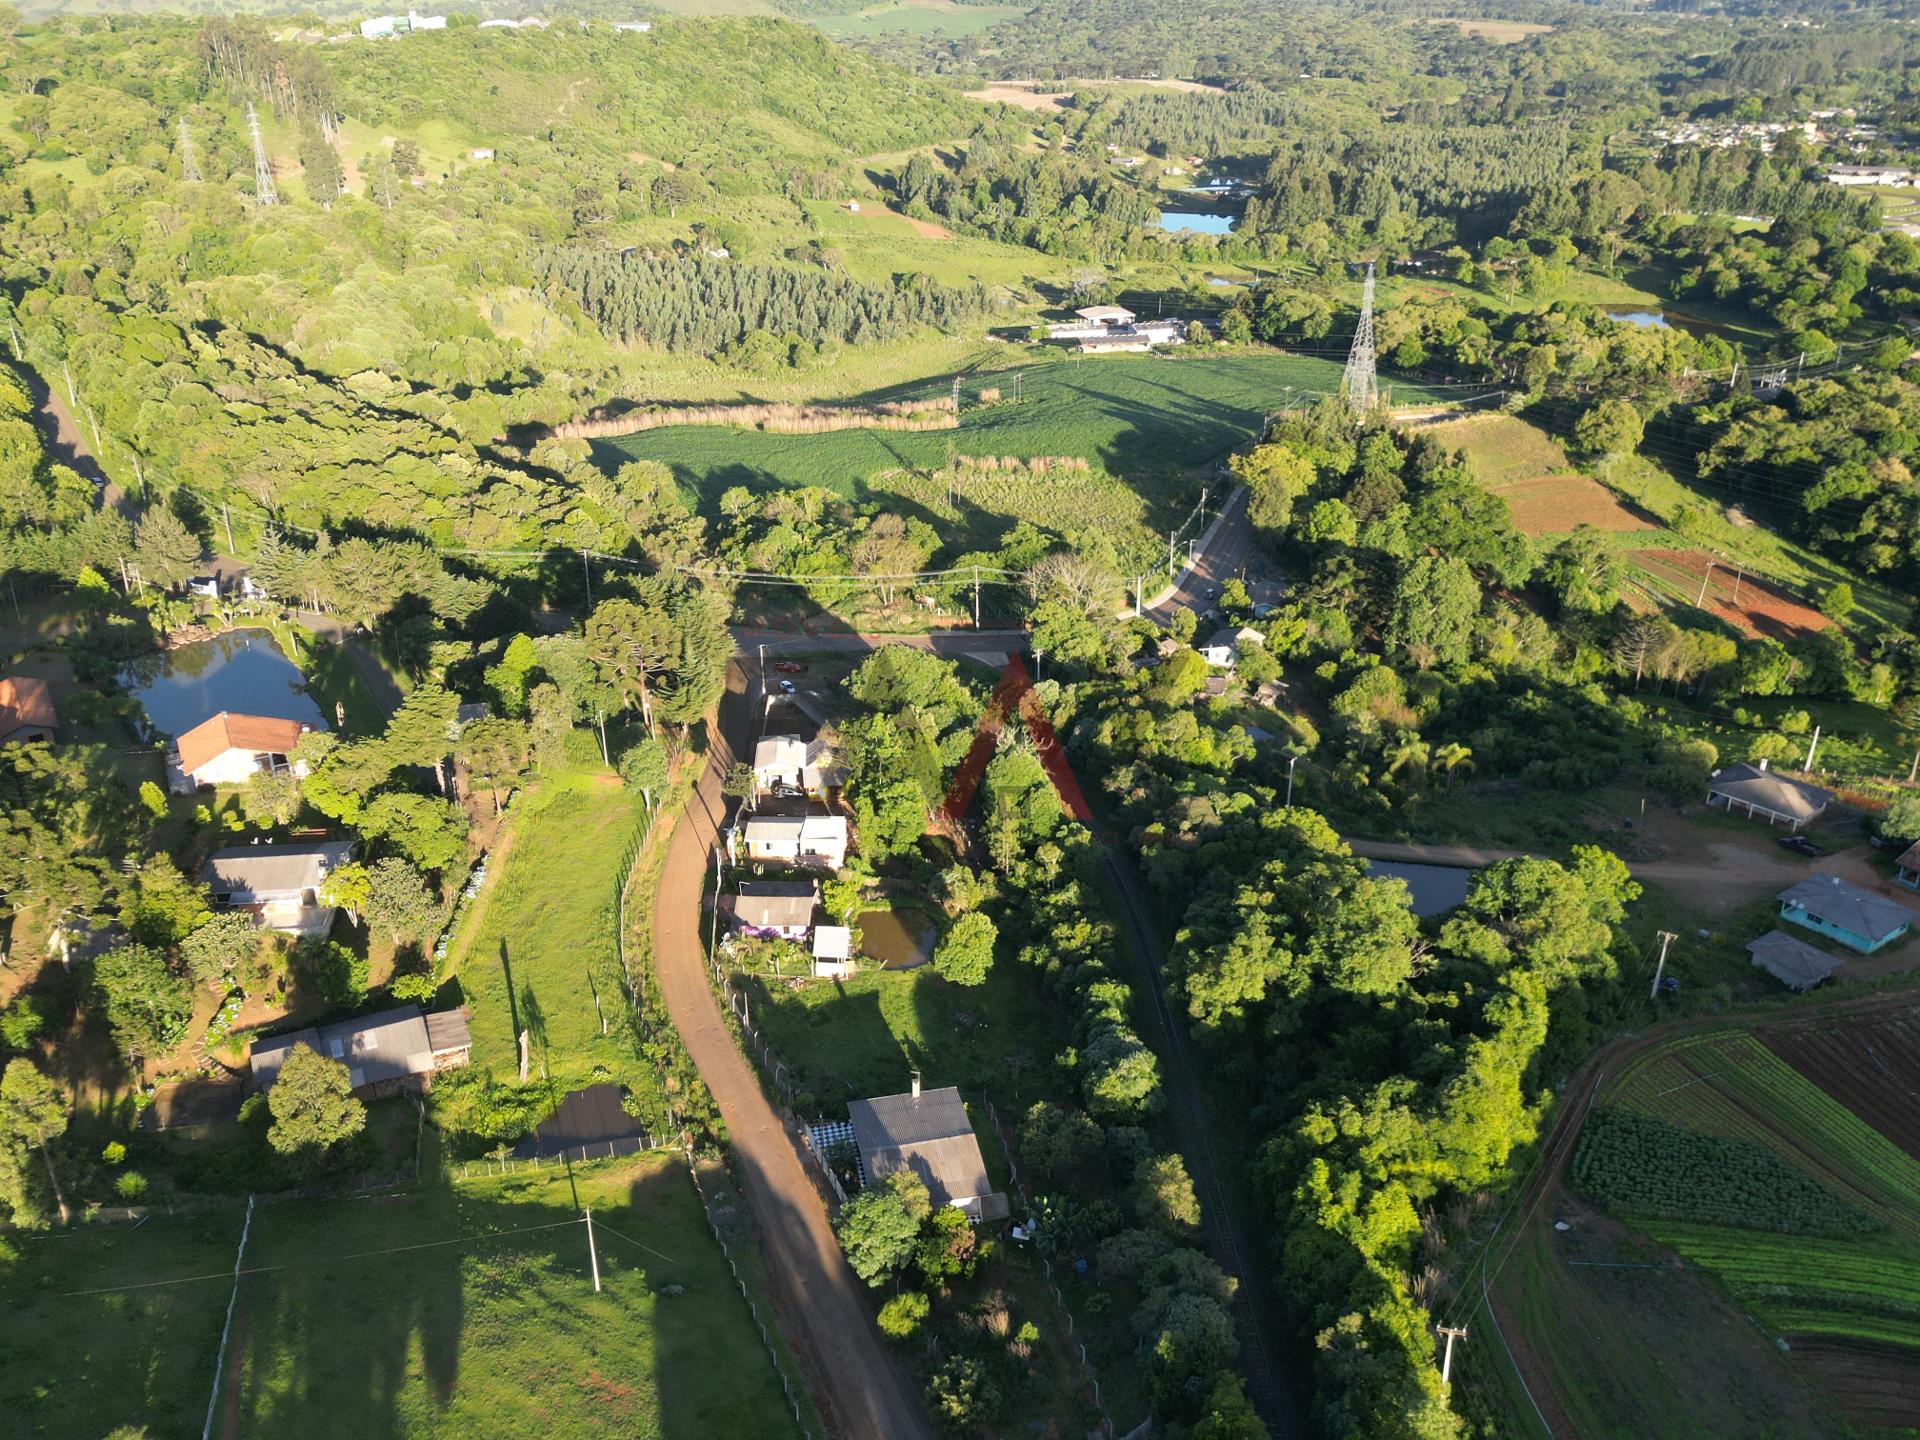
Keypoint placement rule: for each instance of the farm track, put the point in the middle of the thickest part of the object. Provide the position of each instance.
(1549, 1174)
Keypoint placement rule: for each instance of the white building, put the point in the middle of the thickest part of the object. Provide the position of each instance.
(1223, 647)
(786, 762)
(231, 749)
(380, 27)
(833, 951)
(280, 884)
(816, 841)
(633, 27)
(1869, 175)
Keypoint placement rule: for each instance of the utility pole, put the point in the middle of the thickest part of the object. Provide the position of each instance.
(226, 518)
(1292, 760)
(1812, 745)
(956, 396)
(1170, 535)
(1738, 575)
(587, 572)
(1139, 594)
(189, 163)
(976, 597)
(593, 1255)
(1453, 1333)
(263, 190)
(1701, 598)
(1667, 937)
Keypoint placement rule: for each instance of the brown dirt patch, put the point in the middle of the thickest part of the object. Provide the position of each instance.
(1555, 504)
(1876, 1385)
(1500, 32)
(1869, 1063)
(926, 229)
(1025, 97)
(1751, 606)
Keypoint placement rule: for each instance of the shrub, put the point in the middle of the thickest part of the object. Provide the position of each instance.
(965, 953)
(131, 1185)
(903, 1315)
(114, 1152)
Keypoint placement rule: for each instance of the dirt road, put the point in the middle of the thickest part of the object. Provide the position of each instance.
(821, 1305)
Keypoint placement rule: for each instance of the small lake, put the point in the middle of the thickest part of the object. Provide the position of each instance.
(898, 939)
(1200, 222)
(1641, 319)
(243, 671)
(1664, 320)
(1435, 887)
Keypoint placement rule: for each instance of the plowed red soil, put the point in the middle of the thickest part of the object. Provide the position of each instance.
(1759, 610)
(1555, 504)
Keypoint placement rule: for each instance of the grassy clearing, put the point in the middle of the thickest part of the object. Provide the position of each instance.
(861, 1036)
(540, 941)
(1145, 418)
(491, 1336)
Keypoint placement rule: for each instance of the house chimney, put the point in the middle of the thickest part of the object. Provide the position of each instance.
(916, 1084)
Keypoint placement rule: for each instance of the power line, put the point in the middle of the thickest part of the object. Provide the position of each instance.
(1359, 384)
(308, 1264)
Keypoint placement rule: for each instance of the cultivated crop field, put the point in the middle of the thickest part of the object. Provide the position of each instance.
(1726, 1083)
(1150, 420)
(1870, 1064)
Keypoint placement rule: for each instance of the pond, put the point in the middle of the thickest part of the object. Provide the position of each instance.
(1641, 319)
(1645, 319)
(243, 671)
(1435, 887)
(898, 939)
(1199, 222)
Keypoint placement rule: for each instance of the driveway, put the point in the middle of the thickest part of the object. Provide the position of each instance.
(822, 1308)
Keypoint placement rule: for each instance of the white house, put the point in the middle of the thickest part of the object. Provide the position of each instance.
(426, 22)
(633, 27)
(231, 749)
(379, 27)
(1223, 648)
(816, 841)
(1106, 314)
(788, 762)
(781, 909)
(280, 884)
(483, 152)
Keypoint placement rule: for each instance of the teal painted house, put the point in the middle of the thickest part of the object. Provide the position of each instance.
(1857, 918)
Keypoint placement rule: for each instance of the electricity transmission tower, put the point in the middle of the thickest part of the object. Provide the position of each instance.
(189, 162)
(1359, 384)
(263, 167)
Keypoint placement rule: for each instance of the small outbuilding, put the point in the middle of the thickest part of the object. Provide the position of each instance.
(1794, 963)
(929, 1134)
(1907, 868)
(1841, 910)
(26, 709)
(1762, 794)
(833, 951)
(231, 749)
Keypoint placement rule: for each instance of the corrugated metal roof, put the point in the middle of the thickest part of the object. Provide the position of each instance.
(930, 1135)
(385, 1046)
(1751, 785)
(1840, 902)
(447, 1030)
(1792, 962)
(274, 869)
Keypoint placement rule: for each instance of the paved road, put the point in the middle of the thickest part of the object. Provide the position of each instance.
(1222, 551)
(821, 1305)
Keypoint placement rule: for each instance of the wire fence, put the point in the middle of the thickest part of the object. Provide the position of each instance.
(494, 1165)
(1053, 1286)
(800, 1419)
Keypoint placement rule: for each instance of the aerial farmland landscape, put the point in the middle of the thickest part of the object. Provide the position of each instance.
(887, 719)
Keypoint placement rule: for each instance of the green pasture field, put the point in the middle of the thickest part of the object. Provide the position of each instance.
(1149, 419)
(491, 1334)
(540, 939)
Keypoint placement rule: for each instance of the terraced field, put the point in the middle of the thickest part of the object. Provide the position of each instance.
(1850, 1302)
